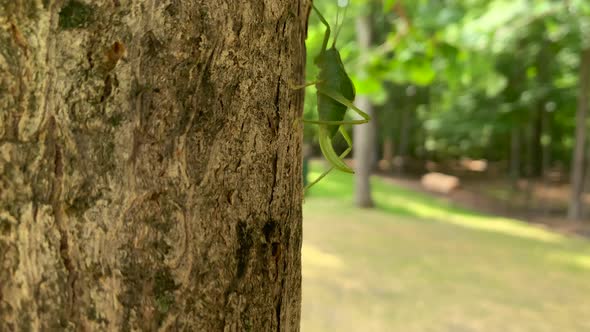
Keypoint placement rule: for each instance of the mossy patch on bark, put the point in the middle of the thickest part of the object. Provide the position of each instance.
(75, 14)
(164, 290)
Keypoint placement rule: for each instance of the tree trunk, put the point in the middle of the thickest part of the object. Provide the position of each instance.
(544, 113)
(536, 153)
(515, 153)
(150, 173)
(548, 144)
(530, 146)
(364, 135)
(387, 125)
(546, 205)
(577, 175)
(387, 152)
(404, 140)
(363, 147)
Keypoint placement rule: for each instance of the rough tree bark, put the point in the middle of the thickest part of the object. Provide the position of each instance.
(577, 175)
(364, 135)
(150, 172)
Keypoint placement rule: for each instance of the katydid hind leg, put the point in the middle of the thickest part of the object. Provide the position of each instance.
(327, 34)
(337, 96)
(294, 86)
(328, 122)
(347, 138)
(328, 150)
(342, 156)
(318, 179)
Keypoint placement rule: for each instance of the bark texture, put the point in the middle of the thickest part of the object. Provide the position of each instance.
(578, 160)
(150, 169)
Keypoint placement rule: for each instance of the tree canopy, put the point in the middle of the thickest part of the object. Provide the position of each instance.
(470, 74)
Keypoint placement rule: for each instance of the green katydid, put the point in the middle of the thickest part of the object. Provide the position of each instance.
(335, 93)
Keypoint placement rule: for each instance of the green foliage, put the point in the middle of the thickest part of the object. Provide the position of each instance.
(483, 68)
(335, 93)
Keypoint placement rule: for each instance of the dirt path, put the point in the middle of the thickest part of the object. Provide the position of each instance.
(538, 209)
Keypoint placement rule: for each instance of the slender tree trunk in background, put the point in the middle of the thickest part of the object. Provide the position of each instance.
(404, 141)
(150, 173)
(536, 153)
(515, 154)
(515, 165)
(387, 125)
(363, 144)
(547, 132)
(544, 114)
(387, 152)
(547, 205)
(375, 148)
(364, 135)
(577, 175)
(530, 145)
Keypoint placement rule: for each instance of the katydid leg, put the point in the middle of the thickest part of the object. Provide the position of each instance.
(328, 122)
(342, 156)
(328, 150)
(293, 86)
(337, 96)
(327, 34)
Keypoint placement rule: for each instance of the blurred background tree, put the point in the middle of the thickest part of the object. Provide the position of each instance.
(493, 94)
(495, 80)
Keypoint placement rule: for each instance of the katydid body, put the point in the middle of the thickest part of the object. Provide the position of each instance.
(335, 93)
(332, 77)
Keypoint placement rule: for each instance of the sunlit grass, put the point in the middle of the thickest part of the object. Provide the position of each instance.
(407, 202)
(417, 263)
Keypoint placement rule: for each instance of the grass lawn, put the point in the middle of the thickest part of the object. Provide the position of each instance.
(415, 263)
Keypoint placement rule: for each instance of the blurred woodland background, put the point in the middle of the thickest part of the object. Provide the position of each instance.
(479, 163)
(494, 92)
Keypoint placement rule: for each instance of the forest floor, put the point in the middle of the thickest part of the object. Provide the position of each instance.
(544, 204)
(420, 263)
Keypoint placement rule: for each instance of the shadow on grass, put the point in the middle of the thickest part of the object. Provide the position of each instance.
(403, 202)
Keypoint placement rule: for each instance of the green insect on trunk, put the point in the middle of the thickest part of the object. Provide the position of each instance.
(335, 93)
(333, 77)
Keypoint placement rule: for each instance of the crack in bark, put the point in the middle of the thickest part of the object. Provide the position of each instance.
(278, 91)
(278, 314)
(108, 88)
(185, 245)
(59, 216)
(279, 304)
(206, 68)
(274, 182)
